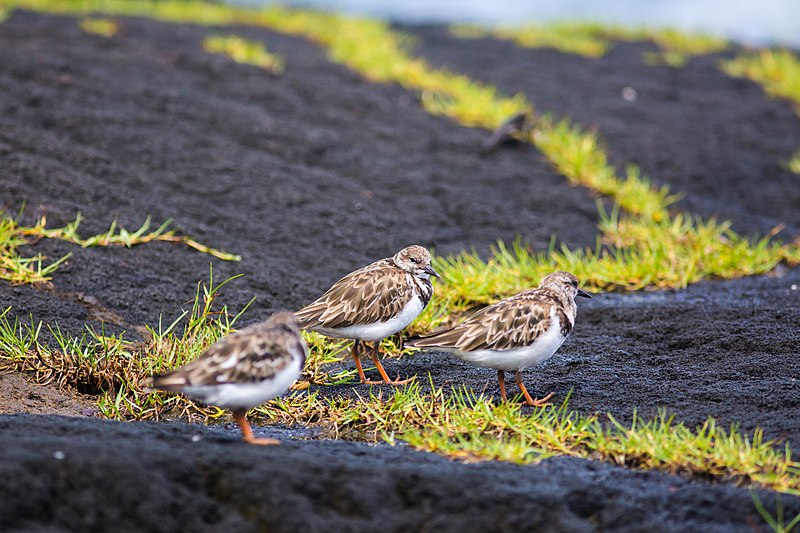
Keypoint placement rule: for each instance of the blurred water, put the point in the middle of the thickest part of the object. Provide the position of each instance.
(756, 22)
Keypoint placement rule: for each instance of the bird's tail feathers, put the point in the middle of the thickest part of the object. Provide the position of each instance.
(167, 381)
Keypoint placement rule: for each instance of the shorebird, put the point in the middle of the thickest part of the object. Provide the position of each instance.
(510, 131)
(244, 369)
(515, 333)
(374, 302)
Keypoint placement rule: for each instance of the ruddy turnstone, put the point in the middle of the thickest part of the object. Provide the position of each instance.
(373, 303)
(510, 131)
(515, 333)
(243, 370)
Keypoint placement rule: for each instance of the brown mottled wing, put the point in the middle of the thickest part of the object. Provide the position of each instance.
(253, 354)
(508, 324)
(372, 294)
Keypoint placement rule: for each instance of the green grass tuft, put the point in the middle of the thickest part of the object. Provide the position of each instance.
(116, 236)
(794, 163)
(635, 254)
(14, 266)
(244, 51)
(110, 366)
(778, 72)
(586, 39)
(591, 39)
(579, 156)
(99, 26)
(678, 47)
(18, 268)
(777, 522)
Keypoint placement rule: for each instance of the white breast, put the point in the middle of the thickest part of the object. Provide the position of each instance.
(541, 350)
(379, 330)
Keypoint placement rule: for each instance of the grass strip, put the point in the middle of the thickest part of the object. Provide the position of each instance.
(14, 266)
(18, 268)
(592, 39)
(778, 72)
(794, 163)
(99, 26)
(116, 236)
(472, 428)
(244, 51)
(636, 255)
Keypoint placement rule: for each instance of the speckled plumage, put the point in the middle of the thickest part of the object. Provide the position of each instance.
(244, 369)
(374, 302)
(517, 332)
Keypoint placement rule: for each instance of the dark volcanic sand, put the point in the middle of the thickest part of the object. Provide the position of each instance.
(317, 172)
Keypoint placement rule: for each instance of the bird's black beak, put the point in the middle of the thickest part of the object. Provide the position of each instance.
(431, 272)
(583, 293)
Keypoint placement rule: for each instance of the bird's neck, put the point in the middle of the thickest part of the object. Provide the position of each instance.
(567, 303)
(425, 288)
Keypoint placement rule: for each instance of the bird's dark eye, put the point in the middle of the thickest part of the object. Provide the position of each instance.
(414, 259)
(575, 283)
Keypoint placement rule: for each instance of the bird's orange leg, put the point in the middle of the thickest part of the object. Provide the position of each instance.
(357, 359)
(530, 401)
(384, 375)
(501, 380)
(240, 415)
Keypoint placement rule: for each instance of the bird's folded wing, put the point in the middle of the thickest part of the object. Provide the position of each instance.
(246, 356)
(506, 325)
(365, 296)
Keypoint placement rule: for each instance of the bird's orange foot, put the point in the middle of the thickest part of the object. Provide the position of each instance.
(366, 381)
(388, 381)
(399, 381)
(539, 402)
(385, 376)
(262, 442)
(240, 415)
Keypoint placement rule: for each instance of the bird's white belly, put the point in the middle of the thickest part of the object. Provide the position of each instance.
(379, 330)
(518, 358)
(247, 395)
